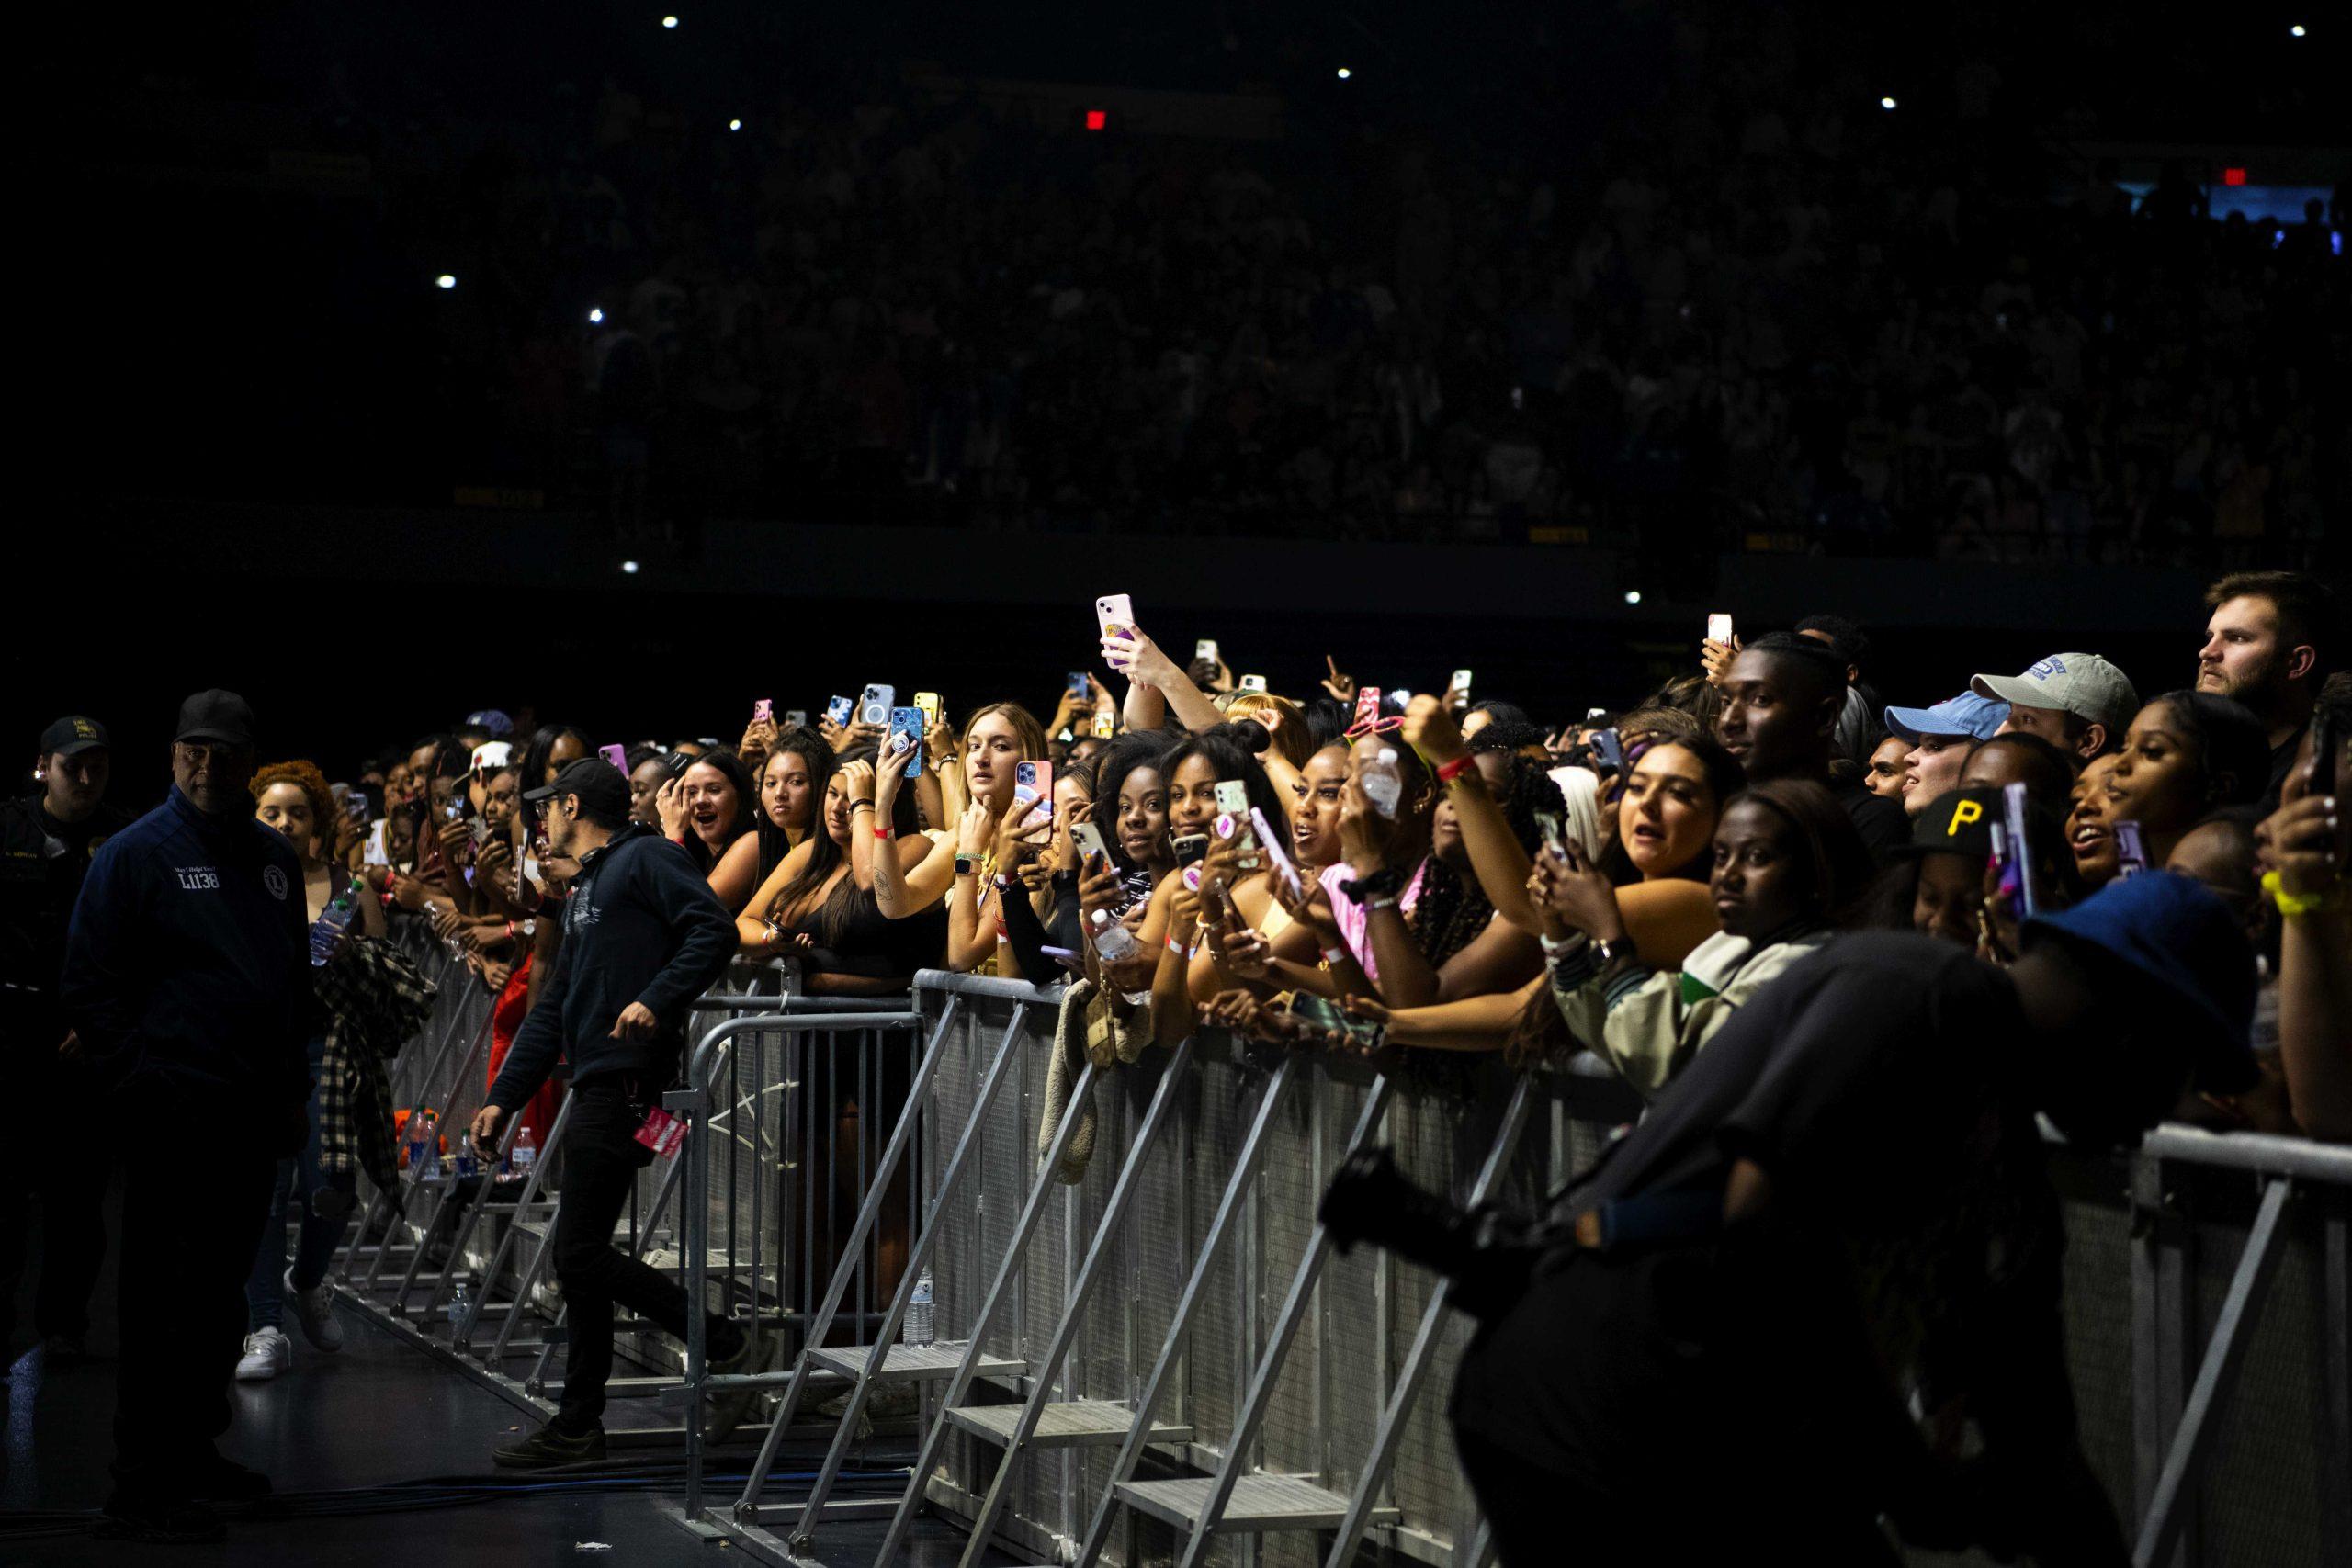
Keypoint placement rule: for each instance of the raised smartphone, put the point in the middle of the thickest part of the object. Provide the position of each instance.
(764, 711)
(1033, 781)
(618, 755)
(1284, 867)
(1191, 849)
(1461, 683)
(906, 723)
(2131, 849)
(2016, 854)
(1205, 649)
(1253, 683)
(1079, 682)
(1719, 628)
(874, 707)
(795, 719)
(1115, 614)
(1367, 708)
(1089, 840)
(838, 709)
(928, 703)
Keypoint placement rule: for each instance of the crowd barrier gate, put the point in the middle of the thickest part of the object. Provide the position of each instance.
(1168, 1363)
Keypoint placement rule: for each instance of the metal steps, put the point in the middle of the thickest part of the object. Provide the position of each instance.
(911, 1363)
(1076, 1423)
(1258, 1504)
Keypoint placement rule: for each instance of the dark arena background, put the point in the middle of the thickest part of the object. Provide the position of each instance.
(621, 365)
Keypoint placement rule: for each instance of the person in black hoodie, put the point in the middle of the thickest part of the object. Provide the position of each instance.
(186, 978)
(643, 935)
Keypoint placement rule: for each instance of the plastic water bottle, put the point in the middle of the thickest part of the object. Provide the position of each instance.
(414, 1142)
(458, 1305)
(327, 930)
(523, 1154)
(1115, 941)
(463, 1161)
(425, 1156)
(1382, 784)
(919, 1326)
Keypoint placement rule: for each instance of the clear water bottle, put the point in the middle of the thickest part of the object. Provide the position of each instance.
(326, 932)
(458, 1305)
(462, 1160)
(920, 1328)
(523, 1154)
(425, 1151)
(1115, 941)
(1382, 783)
(412, 1145)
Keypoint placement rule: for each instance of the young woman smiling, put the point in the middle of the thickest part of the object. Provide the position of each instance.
(2187, 754)
(704, 810)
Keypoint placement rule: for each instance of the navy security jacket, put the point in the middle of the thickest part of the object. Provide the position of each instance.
(188, 961)
(642, 926)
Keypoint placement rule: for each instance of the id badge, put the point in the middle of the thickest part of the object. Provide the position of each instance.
(663, 1134)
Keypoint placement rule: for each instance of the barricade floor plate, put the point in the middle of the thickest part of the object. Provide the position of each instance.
(1069, 1424)
(910, 1364)
(1259, 1503)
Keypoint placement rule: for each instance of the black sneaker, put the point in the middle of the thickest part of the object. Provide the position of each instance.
(547, 1446)
(158, 1521)
(225, 1480)
(732, 1408)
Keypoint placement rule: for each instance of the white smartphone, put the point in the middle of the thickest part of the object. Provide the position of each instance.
(1719, 628)
(1115, 612)
(1205, 649)
(1089, 840)
(1272, 843)
(1462, 682)
(1253, 683)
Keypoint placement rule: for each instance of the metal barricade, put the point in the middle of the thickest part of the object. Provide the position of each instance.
(1165, 1363)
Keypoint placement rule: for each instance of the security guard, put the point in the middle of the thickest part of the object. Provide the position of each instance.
(46, 841)
(188, 973)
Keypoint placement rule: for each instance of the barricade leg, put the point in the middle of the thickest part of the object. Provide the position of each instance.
(524, 1202)
(1416, 1361)
(1032, 1212)
(1042, 1374)
(442, 1188)
(1237, 1190)
(2215, 1376)
(696, 1243)
(877, 1355)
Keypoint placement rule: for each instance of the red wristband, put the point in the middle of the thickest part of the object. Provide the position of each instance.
(1453, 769)
(882, 832)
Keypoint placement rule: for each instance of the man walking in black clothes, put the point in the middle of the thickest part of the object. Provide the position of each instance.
(643, 935)
(187, 978)
(46, 843)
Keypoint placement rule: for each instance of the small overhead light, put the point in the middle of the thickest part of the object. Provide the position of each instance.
(1633, 596)
(1345, 73)
(629, 568)
(734, 125)
(445, 281)
(597, 315)
(2296, 31)
(1886, 103)
(670, 21)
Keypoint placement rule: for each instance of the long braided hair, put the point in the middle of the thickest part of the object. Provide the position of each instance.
(1452, 908)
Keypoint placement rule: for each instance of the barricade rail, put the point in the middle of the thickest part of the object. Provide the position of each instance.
(1166, 1362)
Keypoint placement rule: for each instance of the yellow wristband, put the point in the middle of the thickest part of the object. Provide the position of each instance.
(2292, 905)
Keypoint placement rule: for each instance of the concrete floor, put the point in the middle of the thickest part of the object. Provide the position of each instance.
(379, 1412)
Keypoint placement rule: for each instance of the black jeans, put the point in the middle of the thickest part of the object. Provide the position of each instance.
(193, 1206)
(601, 1159)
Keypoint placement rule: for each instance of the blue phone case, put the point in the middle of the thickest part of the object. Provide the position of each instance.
(838, 709)
(908, 723)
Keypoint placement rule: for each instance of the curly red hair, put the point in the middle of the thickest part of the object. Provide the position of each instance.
(306, 777)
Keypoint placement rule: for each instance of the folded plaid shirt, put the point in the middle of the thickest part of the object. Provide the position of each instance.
(376, 1000)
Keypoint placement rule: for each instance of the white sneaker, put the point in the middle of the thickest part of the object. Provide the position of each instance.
(315, 1309)
(267, 1353)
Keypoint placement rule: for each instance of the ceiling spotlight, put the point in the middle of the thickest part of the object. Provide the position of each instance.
(1886, 103)
(2296, 31)
(1633, 596)
(629, 568)
(595, 315)
(445, 281)
(1345, 72)
(734, 125)
(669, 21)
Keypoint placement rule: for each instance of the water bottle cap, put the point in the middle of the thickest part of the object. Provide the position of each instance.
(1388, 753)
(1101, 917)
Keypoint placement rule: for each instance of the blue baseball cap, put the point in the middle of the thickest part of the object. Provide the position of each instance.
(1966, 714)
(2183, 941)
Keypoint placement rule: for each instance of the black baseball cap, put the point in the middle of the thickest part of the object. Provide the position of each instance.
(598, 783)
(216, 715)
(73, 734)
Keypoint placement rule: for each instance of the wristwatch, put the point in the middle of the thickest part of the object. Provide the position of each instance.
(1388, 880)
